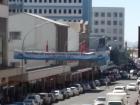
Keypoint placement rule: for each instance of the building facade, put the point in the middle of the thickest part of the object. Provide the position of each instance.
(108, 22)
(3, 32)
(67, 10)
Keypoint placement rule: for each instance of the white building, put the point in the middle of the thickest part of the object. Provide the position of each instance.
(3, 32)
(108, 22)
(38, 33)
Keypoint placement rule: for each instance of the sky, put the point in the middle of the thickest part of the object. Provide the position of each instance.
(132, 15)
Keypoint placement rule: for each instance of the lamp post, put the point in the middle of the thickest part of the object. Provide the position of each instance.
(23, 49)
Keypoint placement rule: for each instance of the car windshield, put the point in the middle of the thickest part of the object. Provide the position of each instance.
(31, 97)
(101, 99)
(117, 88)
(115, 103)
(132, 84)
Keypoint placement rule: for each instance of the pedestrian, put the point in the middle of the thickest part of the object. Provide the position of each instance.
(106, 83)
(137, 102)
(139, 93)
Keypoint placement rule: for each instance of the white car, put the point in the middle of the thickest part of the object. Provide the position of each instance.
(58, 94)
(75, 90)
(100, 101)
(70, 92)
(119, 89)
(131, 86)
(138, 80)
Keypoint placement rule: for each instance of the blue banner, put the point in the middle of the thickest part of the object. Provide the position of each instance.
(59, 56)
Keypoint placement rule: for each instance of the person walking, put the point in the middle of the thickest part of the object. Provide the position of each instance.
(137, 102)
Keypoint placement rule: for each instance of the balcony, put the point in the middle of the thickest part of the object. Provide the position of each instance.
(3, 11)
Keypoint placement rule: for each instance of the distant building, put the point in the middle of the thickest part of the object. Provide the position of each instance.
(107, 22)
(3, 32)
(67, 10)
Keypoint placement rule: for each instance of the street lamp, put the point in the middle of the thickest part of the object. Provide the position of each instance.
(23, 42)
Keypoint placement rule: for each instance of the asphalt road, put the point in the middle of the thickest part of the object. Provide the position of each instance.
(88, 98)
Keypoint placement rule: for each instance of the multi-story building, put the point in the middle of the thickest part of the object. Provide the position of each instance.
(3, 32)
(107, 22)
(67, 10)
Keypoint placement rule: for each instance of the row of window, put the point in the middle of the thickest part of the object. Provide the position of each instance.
(48, 1)
(114, 38)
(50, 11)
(103, 22)
(108, 14)
(115, 31)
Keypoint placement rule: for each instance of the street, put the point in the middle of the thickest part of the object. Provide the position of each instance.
(88, 98)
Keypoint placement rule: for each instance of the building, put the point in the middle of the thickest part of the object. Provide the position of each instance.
(108, 22)
(67, 10)
(35, 33)
(3, 32)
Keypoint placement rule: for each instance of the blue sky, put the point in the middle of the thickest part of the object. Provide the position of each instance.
(132, 15)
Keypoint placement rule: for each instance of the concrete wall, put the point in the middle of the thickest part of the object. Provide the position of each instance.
(4, 11)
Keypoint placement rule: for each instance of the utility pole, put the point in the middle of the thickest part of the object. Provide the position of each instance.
(139, 42)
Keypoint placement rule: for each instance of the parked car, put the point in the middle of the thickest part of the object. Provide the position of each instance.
(100, 101)
(65, 93)
(53, 97)
(97, 82)
(86, 87)
(19, 103)
(103, 81)
(36, 98)
(79, 87)
(132, 86)
(92, 84)
(75, 90)
(138, 80)
(46, 99)
(70, 92)
(119, 89)
(59, 95)
(30, 102)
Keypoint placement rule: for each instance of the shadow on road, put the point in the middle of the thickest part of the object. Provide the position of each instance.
(94, 91)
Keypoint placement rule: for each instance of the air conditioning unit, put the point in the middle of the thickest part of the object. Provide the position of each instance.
(14, 64)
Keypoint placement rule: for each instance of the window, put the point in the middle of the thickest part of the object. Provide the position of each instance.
(30, 10)
(102, 30)
(15, 35)
(120, 14)
(70, 11)
(115, 14)
(45, 1)
(74, 20)
(102, 22)
(69, 1)
(60, 11)
(114, 38)
(60, 1)
(30, 1)
(102, 14)
(65, 11)
(40, 11)
(115, 31)
(14, 10)
(9, 10)
(54, 1)
(25, 1)
(25, 10)
(108, 38)
(40, 1)
(50, 11)
(120, 23)
(96, 22)
(80, 1)
(108, 22)
(65, 1)
(74, 1)
(120, 39)
(115, 22)
(96, 14)
(35, 1)
(120, 46)
(75, 11)
(96, 30)
(54, 11)
(45, 11)
(69, 20)
(35, 10)
(50, 1)
(79, 11)
(108, 14)
(120, 31)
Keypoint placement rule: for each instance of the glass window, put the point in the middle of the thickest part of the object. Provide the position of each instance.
(45, 11)
(96, 30)
(54, 1)
(115, 31)
(15, 11)
(59, 10)
(50, 1)
(102, 14)
(120, 23)
(108, 14)
(54, 11)
(114, 38)
(69, 1)
(65, 11)
(102, 30)
(108, 22)
(102, 22)
(79, 11)
(114, 22)
(75, 11)
(15, 35)
(40, 11)
(30, 10)
(30, 1)
(25, 10)
(50, 10)
(40, 1)
(120, 31)
(115, 14)
(96, 22)
(65, 1)
(120, 38)
(35, 10)
(80, 1)
(20, 10)
(25, 1)
(108, 38)
(70, 11)
(35, 1)
(60, 1)
(74, 1)
(120, 14)
(45, 1)
(96, 14)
